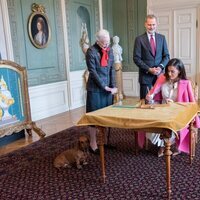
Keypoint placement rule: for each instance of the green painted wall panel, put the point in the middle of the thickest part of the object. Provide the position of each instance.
(78, 12)
(141, 15)
(128, 22)
(120, 24)
(45, 65)
(108, 15)
(46, 54)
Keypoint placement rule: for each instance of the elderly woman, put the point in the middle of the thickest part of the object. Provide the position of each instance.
(101, 81)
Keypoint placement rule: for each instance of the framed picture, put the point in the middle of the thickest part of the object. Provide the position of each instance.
(15, 114)
(38, 27)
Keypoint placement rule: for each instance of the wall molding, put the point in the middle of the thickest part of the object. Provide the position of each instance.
(130, 84)
(171, 4)
(6, 39)
(48, 100)
(77, 89)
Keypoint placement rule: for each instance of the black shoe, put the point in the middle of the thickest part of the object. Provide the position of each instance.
(109, 146)
(96, 151)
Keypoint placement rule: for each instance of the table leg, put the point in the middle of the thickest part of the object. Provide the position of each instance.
(136, 142)
(168, 153)
(192, 133)
(101, 137)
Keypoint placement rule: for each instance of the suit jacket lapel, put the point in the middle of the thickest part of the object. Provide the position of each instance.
(147, 43)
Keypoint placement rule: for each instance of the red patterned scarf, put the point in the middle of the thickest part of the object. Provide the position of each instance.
(105, 57)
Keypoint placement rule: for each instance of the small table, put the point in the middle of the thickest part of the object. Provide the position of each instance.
(163, 119)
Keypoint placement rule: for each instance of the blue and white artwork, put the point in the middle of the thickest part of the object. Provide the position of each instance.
(11, 97)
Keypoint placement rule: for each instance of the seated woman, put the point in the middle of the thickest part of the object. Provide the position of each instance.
(173, 86)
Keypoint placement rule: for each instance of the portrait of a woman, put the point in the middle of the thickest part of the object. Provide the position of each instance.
(40, 37)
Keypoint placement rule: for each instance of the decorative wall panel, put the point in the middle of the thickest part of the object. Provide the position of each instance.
(45, 65)
(48, 100)
(128, 22)
(185, 39)
(77, 13)
(130, 83)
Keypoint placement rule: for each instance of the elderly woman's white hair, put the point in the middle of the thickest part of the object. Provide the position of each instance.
(101, 34)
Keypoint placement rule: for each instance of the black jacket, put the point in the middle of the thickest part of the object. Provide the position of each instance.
(144, 59)
(99, 76)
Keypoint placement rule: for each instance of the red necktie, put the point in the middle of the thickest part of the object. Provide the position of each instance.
(153, 46)
(104, 59)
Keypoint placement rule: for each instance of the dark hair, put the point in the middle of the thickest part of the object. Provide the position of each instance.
(175, 62)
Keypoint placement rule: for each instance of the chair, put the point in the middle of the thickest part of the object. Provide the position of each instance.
(196, 96)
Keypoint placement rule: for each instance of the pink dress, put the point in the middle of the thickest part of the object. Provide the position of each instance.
(182, 93)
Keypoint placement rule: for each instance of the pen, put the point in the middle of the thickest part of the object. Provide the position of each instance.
(147, 89)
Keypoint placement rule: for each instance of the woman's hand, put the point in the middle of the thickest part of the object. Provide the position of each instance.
(114, 90)
(169, 100)
(108, 89)
(149, 97)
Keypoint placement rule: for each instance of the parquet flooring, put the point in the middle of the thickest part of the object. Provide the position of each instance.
(49, 125)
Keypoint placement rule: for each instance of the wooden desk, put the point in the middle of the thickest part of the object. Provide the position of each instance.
(174, 117)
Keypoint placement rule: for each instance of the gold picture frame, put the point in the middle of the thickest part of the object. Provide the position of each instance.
(38, 27)
(15, 113)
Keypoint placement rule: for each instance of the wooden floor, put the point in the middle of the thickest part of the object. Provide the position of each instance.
(49, 125)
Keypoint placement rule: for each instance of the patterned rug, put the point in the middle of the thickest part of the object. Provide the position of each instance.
(28, 173)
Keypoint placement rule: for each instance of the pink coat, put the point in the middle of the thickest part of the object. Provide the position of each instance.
(185, 94)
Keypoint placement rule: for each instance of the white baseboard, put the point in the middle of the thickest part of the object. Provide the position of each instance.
(48, 100)
(77, 89)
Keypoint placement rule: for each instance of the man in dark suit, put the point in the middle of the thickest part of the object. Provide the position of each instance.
(150, 55)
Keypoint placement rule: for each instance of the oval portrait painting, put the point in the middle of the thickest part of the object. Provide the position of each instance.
(39, 30)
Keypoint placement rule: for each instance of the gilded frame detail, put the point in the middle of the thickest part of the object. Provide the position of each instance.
(38, 27)
(15, 113)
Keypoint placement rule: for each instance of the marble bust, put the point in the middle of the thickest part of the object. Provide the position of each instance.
(117, 50)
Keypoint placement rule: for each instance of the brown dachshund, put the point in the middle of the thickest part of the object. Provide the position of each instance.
(77, 155)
